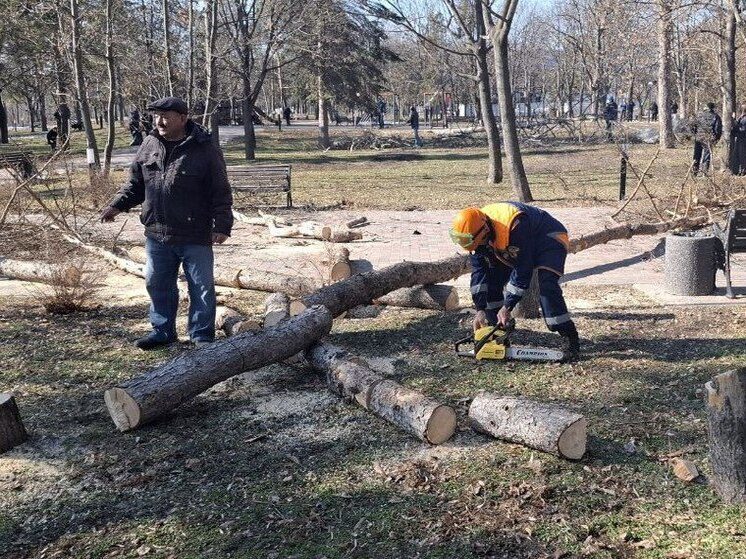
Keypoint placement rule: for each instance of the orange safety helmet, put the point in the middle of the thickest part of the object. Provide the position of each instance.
(469, 228)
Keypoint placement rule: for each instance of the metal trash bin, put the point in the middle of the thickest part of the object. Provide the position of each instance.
(690, 263)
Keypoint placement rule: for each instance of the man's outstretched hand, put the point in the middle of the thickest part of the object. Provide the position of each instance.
(219, 238)
(108, 214)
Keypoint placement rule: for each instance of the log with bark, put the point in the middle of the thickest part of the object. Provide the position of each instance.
(361, 289)
(12, 431)
(545, 427)
(156, 392)
(260, 220)
(124, 264)
(438, 297)
(352, 379)
(338, 263)
(37, 271)
(232, 322)
(725, 400)
(357, 222)
(260, 280)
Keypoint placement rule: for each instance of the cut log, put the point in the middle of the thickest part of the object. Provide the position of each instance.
(276, 309)
(232, 322)
(155, 393)
(725, 399)
(344, 236)
(438, 297)
(12, 431)
(352, 379)
(338, 263)
(528, 306)
(310, 229)
(545, 427)
(124, 264)
(39, 272)
(260, 280)
(357, 222)
(361, 289)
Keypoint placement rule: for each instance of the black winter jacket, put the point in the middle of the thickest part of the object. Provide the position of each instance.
(185, 199)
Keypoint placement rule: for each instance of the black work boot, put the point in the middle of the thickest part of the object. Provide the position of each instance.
(570, 344)
(153, 341)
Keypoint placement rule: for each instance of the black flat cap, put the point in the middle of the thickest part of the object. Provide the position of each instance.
(169, 104)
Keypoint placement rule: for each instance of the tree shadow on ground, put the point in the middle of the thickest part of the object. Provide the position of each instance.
(656, 252)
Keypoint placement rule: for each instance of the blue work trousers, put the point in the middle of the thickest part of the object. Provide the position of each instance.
(161, 274)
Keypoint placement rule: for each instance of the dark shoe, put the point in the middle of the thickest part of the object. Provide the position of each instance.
(153, 341)
(570, 349)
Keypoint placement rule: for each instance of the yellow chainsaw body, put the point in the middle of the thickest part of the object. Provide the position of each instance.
(492, 349)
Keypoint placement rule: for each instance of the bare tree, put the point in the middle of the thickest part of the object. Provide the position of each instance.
(111, 68)
(499, 28)
(665, 11)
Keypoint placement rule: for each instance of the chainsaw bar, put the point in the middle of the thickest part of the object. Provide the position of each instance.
(533, 353)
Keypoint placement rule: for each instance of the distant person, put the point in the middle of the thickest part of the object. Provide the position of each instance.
(654, 112)
(674, 108)
(622, 111)
(414, 122)
(52, 138)
(62, 116)
(286, 114)
(738, 149)
(707, 129)
(610, 115)
(630, 110)
(381, 110)
(135, 130)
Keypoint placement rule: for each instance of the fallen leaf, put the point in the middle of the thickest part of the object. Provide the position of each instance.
(684, 469)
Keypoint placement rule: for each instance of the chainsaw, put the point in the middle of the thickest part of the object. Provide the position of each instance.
(493, 343)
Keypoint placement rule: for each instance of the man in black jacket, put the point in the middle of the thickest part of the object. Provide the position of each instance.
(707, 129)
(179, 178)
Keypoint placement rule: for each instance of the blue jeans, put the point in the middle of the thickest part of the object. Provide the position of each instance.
(161, 274)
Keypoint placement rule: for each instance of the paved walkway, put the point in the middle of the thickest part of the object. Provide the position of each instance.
(395, 236)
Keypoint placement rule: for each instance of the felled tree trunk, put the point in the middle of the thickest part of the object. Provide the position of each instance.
(361, 289)
(39, 272)
(339, 264)
(124, 264)
(438, 297)
(155, 393)
(528, 307)
(276, 309)
(545, 427)
(259, 280)
(233, 323)
(12, 432)
(626, 231)
(725, 399)
(352, 379)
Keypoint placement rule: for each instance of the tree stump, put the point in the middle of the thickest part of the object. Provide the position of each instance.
(528, 306)
(545, 427)
(12, 432)
(725, 399)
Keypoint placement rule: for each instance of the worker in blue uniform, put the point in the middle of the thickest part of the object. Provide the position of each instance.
(508, 241)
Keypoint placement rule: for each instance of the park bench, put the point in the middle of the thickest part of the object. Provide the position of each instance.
(257, 179)
(733, 239)
(22, 161)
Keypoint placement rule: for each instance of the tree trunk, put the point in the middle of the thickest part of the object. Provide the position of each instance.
(12, 432)
(437, 297)
(323, 116)
(41, 96)
(528, 306)
(155, 393)
(111, 132)
(31, 112)
(248, 123)
(545, 427)
(725, 400)
(41, 272)
(3, 121)
(259, 280)
(507, 110)
(361, 289)
(729, 87)
(495, 170)
(211, 32)
(167, 48)
(664, 74)
(352, 379)
(190, 79)
(80, 84)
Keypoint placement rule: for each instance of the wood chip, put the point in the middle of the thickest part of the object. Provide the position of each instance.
(684, 469)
